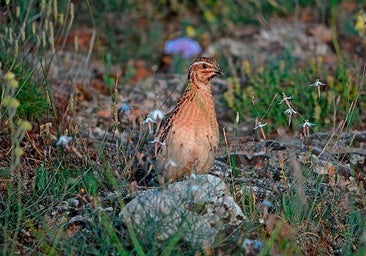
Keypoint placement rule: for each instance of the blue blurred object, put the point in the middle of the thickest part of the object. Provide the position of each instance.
(63, 140)
(251, 246)
(124, 108)
(185, 46)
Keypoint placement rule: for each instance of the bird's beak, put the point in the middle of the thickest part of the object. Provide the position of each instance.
(219, 72)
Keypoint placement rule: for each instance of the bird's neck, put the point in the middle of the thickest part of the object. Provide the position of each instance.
(201, 94)
(197, 86)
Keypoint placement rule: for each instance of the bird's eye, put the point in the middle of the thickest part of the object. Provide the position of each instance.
(204, 66)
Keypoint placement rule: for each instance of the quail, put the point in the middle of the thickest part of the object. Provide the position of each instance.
(188, 135)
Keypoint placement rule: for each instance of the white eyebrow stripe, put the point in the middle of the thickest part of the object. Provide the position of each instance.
(201, 62)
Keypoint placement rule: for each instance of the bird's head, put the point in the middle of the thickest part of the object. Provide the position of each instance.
(203, 69)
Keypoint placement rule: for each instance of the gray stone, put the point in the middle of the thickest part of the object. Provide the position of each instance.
(195, 209)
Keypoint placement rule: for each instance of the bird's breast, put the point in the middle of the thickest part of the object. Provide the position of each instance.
(197, 120)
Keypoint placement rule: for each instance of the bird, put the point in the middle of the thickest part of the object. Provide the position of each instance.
(188, 135)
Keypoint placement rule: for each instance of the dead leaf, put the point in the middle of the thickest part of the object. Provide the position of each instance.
(322, 32)
(84, 37)
(141, 72)
(83, 93)
(276, 224)
(104, 113)
(100, 86)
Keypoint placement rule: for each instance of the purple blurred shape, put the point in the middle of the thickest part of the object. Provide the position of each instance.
(183, 45)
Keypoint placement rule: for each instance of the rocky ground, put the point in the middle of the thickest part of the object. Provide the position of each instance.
(262, 170)
(247, 168)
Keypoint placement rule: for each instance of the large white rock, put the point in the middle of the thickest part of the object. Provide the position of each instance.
(195, 209)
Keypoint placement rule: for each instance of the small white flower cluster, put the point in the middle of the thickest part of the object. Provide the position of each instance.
(290, 111)
(154, 116)
(317, 83)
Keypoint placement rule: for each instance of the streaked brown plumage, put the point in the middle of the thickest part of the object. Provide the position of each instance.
(189, 134)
